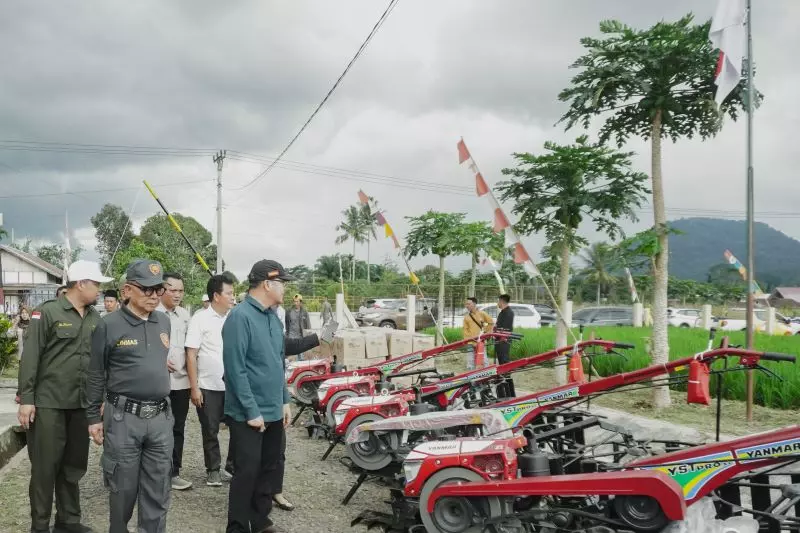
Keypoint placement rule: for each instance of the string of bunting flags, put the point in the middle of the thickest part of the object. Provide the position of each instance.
(389, 233)
(500, 222)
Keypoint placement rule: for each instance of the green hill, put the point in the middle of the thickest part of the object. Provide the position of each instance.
(704, 240)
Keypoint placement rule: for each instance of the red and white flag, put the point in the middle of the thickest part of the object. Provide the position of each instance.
(363, 198)
(500, 222)
(728, 35)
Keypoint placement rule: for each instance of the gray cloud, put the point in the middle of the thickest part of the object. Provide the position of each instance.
(244, 76)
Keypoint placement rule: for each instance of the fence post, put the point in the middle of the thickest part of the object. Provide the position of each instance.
(638, 315)
(772, 322)
(340, 307)
(705, 317)
(411, 313)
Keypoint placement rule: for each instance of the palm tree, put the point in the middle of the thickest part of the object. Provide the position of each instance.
(600, 261)
(354, 229)
(368, 213)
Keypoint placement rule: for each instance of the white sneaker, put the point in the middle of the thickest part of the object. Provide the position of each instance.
(180, 484)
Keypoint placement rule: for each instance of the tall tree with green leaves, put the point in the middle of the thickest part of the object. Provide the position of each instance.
(655, 83)
(113, 231)
(477, 237)
(555, 191)
(54, 253)
(353, 228)
(158, 234)
(601, 261)
(439, 234)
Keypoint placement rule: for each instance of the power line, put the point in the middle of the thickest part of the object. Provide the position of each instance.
(392, 182)
(118, 189)
(375, 28)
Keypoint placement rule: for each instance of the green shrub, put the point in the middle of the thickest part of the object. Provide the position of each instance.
(8, 345)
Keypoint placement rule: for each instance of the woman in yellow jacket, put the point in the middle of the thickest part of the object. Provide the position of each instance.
(475, 321)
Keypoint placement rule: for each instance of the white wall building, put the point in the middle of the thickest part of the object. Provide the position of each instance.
(27, 280)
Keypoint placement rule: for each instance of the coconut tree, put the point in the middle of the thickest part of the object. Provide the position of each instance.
(353, 228)
(601, 260)
(554, 192)
(655, 83)
(369, 214)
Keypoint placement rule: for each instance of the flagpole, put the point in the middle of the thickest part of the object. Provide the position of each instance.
(750, 209)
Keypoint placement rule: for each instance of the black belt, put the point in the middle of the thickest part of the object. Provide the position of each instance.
(142, 409)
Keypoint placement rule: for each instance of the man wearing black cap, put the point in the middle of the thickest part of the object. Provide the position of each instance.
(256, 398)
(128, 370)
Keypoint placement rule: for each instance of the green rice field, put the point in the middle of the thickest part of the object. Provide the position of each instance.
(769, 391)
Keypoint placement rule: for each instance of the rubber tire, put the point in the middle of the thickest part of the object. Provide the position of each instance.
(375, 462)
(684, 326)
(449, 475)
(333, 404)
(388, 324)
(303, 399)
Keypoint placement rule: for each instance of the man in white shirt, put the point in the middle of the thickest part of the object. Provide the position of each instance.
(176, 363)
(206, 370)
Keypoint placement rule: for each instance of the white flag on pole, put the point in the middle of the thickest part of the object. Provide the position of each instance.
(728, 35)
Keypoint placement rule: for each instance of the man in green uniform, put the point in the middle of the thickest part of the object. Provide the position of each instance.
(53, 402)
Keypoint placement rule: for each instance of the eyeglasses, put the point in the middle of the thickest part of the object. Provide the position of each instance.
(148, 291)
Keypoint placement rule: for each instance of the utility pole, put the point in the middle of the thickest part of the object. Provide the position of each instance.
(219, 158)
(750, 210)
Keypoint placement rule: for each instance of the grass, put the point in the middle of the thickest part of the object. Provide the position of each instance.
(781, 393)
(11, 371)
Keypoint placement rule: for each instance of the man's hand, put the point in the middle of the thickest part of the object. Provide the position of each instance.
(197, 397)
(257, 423)
(96, 431)
(25, 415)
(171, 366)
(287, 415)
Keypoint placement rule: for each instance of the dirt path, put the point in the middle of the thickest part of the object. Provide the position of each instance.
(316, 489)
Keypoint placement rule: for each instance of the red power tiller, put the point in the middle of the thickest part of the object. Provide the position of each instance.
(330, 390)
(494, 438)
(473, 389)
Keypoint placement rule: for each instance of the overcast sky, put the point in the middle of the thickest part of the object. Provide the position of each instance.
(244, 76)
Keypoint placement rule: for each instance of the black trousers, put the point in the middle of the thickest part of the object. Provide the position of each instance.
(210, 416)
(279, 474)
(256, 470)
(58, 448)
(179, 400)
(502, 352)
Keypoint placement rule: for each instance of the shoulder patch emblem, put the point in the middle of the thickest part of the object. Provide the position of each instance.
(36, 315)
(165, 339)
(154, 268)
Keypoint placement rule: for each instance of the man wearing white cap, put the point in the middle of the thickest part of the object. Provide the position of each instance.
(53, 398)
(206, 303)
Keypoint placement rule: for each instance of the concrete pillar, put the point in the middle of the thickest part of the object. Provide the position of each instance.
(638, 315)
(772, 321)
(705, 317)
(340, 307)
(648, 317)
(411, 313)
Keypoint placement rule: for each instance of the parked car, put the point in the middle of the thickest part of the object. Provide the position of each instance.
(736, 320)
(378, 303)
(392, 314)
(603, 316)
(683, 318)
(548, 315)
(525, 315)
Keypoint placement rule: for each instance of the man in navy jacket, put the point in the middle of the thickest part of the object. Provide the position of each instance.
(256, 399)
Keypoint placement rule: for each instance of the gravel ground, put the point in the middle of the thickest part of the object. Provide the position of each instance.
(316, 489)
